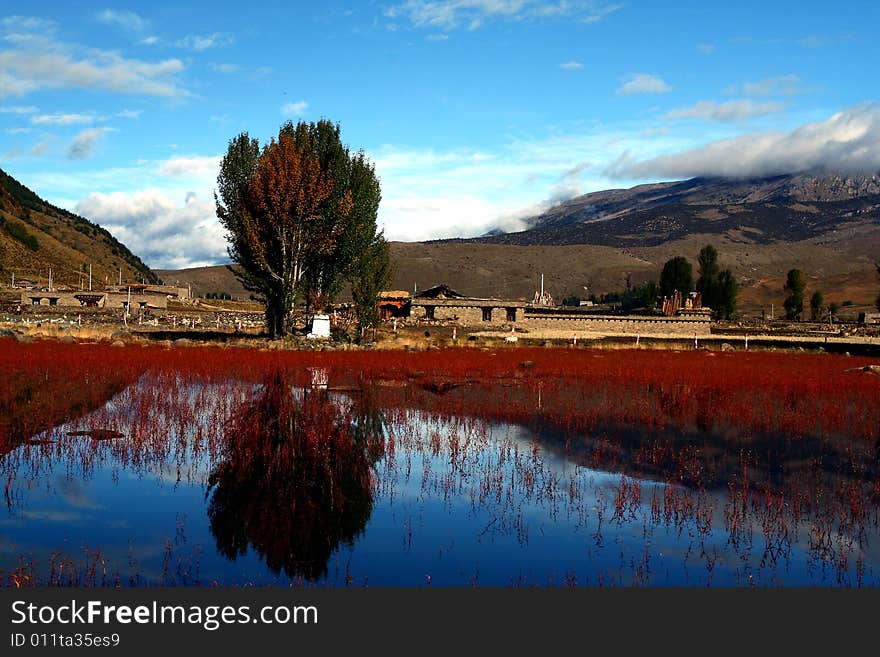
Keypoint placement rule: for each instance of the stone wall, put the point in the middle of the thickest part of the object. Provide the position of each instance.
(108, 299)
(118, 300)
(625, 325)
(504, 317)
(469, 315)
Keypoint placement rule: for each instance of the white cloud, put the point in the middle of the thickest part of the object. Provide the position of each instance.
(19, 109)
(226, 69)
(571, 65)
(150, 40)
(164, 233)
(848, 141)
(83, 145)
(25, 29)
(643, 83)
(783, 85)
(471, 14)
(26, 71)
(200, 42)
(297, 108)
(202, 167)
(40, 148)
(733, 110)
(428, 194)
(127, 20)
(129, 114)
(63, 119)
(707, 48)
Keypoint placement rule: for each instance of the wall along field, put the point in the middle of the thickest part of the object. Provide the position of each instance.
(207, 466)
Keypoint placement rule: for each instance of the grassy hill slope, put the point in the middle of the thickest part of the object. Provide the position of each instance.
(35, 235)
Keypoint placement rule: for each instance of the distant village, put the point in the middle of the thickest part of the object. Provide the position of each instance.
(438, 309)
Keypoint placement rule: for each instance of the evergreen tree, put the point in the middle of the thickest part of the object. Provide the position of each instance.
(728, 289)
(795, 284)
(816, 305)
(707, 282)
(371, 273)
(678, 275)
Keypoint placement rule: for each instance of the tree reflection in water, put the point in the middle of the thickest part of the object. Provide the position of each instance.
(296, 478)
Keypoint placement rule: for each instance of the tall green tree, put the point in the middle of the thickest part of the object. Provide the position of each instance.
(817, 304)
(727, 292)
(297, 213)
(677, 274)
(707, 281)
(795, 284)
(371, 274)
(650, 295)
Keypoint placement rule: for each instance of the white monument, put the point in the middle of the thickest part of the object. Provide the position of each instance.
(320, 327)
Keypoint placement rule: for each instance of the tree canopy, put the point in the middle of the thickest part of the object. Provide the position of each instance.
(677, 274)
(718, 289)
(817, 305)
(707, 282)
(300, 215)
(795, 284)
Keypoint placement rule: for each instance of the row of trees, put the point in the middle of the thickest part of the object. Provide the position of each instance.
(300, 214)
(717, 287)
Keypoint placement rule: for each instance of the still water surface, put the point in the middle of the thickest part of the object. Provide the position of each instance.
(237, 484)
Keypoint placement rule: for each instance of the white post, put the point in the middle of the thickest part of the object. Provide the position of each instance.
(13, 279)
(120, 276)
(541, 298)
(90, 277)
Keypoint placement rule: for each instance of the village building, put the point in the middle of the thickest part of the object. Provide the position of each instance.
(682, 317)
(443, 303)
(394, 304)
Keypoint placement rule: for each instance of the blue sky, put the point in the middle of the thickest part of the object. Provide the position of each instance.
(477, 113)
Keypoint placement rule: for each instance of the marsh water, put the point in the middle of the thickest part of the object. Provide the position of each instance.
(278, 483)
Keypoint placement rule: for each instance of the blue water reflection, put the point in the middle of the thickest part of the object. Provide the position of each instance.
(234, 483)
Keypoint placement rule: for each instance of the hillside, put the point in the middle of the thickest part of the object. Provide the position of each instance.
(35, 235)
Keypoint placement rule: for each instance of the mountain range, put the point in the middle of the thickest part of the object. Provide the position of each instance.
(767, 210)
